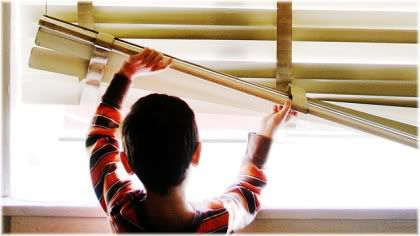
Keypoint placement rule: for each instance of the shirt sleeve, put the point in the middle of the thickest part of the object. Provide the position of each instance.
(242, 200)
(109, 179)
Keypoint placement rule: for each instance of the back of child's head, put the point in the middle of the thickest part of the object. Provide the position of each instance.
(160, 136)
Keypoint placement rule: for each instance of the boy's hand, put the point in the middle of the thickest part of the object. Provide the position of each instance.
(279, 115)
(144, 63)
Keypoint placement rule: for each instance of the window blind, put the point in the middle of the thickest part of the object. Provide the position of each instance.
(371, 83)
(337, 19)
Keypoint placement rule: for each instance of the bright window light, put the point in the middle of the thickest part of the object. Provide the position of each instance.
(311, 165)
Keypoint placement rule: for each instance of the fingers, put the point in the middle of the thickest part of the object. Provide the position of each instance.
(148, 60)
(274, 109)
(286, 107)
(162, 65)
(283, 112)
(143, 58)
(150, 57)
(140, 56)
(277, 108)
(155, 61)
(290, 114)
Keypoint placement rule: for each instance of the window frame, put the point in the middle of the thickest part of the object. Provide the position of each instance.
(17, 208)
(5, 96)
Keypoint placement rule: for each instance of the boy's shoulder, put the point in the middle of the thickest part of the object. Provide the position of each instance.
(211, 204)
(129, 215)
(213, 216)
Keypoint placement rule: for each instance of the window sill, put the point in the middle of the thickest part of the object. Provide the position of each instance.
(14, 207)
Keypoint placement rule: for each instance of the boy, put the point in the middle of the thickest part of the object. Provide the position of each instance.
(160, 142)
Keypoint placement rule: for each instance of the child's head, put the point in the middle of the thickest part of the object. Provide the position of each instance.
(160, 137)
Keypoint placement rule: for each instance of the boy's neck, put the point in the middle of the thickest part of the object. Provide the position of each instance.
(172, 210)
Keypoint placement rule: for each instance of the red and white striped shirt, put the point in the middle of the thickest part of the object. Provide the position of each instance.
(124, 204)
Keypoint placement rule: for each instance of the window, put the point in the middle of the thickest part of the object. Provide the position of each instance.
(313, 163)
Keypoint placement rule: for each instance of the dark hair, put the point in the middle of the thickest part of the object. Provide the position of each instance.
(160, 136)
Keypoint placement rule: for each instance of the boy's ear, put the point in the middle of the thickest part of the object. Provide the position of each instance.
(125, 163)
(196, 156)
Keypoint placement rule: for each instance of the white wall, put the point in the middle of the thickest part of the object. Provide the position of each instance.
(65, 219)
(51, 224)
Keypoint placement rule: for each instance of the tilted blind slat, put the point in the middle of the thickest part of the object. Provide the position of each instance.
(367, 99)
(255, 24)
(359, 87)
(380, 19)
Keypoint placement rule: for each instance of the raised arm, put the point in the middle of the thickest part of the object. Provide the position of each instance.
(242, 199)
(109, 179)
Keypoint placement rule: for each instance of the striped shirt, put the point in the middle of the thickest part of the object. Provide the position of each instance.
(124, 203)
